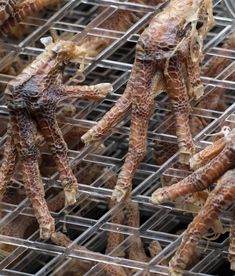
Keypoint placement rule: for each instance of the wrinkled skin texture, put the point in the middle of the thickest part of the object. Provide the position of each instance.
(14, 11)
(215, 163)
(32, 99)
(212, 101)
(163, 53)
(215, 100)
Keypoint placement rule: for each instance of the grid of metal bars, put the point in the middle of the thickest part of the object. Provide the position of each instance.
(89, 221)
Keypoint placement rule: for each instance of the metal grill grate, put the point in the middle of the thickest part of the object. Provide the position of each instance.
(89, 221)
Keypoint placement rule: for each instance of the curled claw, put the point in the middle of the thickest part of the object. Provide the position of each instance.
(46, 41)
(204, 156)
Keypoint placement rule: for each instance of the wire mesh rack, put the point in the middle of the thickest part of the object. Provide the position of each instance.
(90, 221)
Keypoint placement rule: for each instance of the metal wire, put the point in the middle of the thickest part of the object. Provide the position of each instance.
(89, 221)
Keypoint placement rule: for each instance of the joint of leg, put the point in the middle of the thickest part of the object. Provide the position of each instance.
(181, 107)
(59, 148)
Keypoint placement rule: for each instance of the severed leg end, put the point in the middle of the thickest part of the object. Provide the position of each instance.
(184, 157)
(120, 192)
(197, 92)
(89, 137)
(104, 89)
(70, 196)
(46, 231)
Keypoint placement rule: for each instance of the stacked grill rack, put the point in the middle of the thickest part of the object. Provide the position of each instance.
(89, 221)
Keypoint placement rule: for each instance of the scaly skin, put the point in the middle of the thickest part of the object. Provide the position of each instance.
(14, 11)
(33, 96)
(213, 101)
(161, 54)
(136, 250)
(219, 167)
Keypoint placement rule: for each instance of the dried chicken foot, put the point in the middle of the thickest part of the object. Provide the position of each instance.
(213, 101)
(28, 154)
(218, 200)
(200, 179)
(159, 64)
(32, 98)
(179, 99)
(205, 155)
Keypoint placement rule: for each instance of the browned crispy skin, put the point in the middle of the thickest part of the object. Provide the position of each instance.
(32, 98)
(160, 63)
